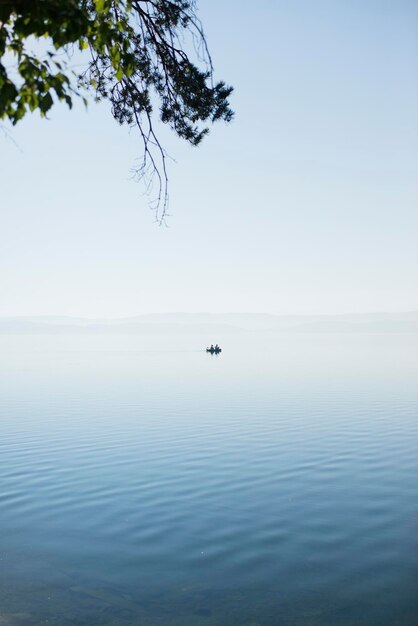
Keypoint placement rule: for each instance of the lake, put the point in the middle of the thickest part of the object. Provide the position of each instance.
(143, 481)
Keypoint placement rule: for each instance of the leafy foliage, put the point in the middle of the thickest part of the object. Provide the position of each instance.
(139, 55)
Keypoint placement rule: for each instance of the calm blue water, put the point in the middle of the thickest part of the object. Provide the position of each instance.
(143, 481)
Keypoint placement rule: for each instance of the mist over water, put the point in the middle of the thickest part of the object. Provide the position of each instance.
(143, 481)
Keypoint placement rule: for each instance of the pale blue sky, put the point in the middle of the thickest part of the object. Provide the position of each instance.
(307, 203)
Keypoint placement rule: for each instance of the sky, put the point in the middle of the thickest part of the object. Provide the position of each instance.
(306, 203)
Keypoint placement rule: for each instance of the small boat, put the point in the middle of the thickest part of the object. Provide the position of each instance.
(213, 350)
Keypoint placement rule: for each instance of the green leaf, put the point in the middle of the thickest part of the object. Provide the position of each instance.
(100, 5)
(46, 103)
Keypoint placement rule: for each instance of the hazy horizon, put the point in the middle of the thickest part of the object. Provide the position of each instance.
(209, 313)
(220, 325)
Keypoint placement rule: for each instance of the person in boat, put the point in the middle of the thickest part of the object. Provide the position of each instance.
(217, 348)
(212, 348)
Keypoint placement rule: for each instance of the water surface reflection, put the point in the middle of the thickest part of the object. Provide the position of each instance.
(149, 484)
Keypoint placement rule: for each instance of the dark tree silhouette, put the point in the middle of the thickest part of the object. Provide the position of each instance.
(140, 55)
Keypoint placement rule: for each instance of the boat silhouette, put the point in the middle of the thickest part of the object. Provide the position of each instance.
(213, 350)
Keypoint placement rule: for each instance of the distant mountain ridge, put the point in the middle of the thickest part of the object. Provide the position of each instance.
(163, 323)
